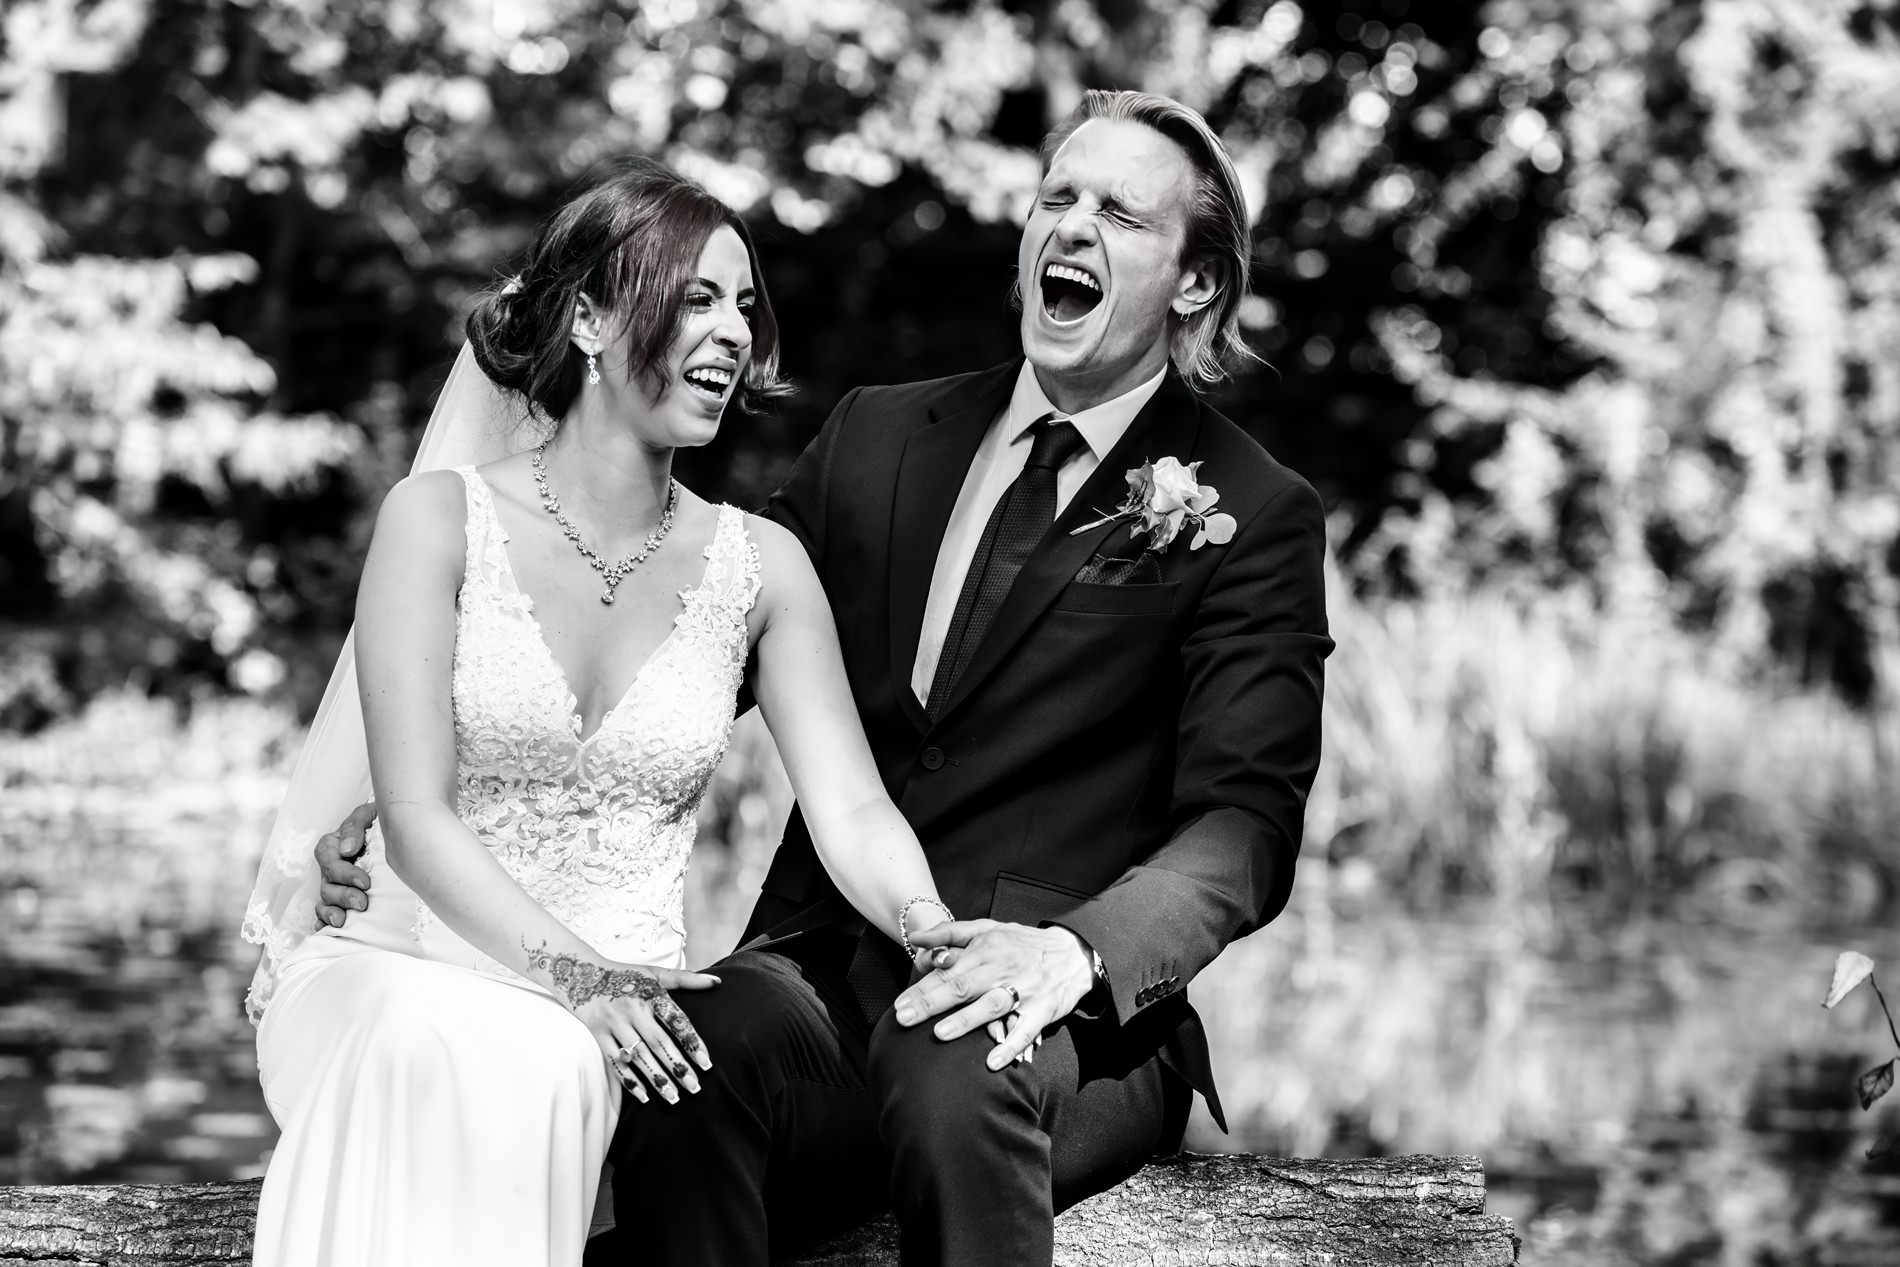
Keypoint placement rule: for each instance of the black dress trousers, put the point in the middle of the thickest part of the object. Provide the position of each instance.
(811, 1121)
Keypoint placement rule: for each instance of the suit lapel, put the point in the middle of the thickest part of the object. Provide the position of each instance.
(930, 475)
(1167, 426)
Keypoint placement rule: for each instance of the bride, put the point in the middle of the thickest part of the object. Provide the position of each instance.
(547, 656)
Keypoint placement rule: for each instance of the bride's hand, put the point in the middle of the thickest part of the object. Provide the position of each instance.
(640, 1029)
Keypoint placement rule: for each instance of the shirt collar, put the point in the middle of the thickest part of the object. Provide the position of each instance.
(1101, 425)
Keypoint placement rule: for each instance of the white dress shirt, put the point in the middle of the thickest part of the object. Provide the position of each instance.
(999, 460)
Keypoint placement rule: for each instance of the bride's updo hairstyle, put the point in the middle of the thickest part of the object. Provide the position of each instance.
(630, 240)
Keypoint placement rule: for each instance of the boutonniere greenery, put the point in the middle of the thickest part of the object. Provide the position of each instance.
(1163, 497)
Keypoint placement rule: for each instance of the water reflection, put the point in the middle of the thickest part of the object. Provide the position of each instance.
(1642, 1091)
(122, 1052)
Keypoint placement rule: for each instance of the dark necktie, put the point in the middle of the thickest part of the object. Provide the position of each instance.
(1021, 518)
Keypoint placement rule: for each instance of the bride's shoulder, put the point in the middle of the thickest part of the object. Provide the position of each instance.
(775, 541)
(785, 570)
(437, 493)
(426, 508)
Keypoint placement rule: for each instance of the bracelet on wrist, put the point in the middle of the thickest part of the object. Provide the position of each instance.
(903, 914)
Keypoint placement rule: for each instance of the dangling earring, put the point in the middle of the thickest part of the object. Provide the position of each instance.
(593, 370)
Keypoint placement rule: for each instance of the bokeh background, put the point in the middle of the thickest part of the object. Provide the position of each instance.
(1583, 315)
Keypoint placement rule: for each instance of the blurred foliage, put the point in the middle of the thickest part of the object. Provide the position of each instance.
(1726, 257)
(1563, 295)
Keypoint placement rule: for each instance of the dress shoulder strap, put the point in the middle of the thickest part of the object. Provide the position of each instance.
(732, 568)
(486, 560)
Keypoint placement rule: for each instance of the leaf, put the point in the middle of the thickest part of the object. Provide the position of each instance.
(1875, 1083)
(1220, 528)
(1850, 969)
(1885, 1146)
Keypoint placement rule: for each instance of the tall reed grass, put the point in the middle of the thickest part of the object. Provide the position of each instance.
(1484, 746)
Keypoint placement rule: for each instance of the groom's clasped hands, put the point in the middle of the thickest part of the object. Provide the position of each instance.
(1011, 978)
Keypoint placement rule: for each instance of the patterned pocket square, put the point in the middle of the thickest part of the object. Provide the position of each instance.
(1143, 570)
(1121, 561)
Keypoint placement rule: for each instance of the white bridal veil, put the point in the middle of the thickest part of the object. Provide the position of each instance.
(472, 423)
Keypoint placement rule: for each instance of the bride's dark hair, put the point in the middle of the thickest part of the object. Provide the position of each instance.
(629, 239)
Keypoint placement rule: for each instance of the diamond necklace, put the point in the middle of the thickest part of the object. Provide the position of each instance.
(612, 573)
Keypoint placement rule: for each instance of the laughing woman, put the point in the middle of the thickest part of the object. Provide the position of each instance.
(541, 725)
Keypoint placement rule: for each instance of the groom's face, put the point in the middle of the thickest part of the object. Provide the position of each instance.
(1100, 264)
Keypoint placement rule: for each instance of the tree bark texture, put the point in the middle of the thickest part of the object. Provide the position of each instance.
(1186, 1211)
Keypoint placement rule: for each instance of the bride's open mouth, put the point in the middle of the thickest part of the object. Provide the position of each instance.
(1069, 293)
(709, 382)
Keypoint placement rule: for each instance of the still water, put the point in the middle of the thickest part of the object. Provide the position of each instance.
(1642, 1091)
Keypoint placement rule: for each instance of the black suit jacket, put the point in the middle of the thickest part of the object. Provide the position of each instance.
(1128, 760)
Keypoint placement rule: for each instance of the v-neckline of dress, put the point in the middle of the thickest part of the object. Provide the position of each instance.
(575, 721)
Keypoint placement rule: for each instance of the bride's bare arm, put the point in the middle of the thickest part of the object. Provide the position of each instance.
(405, 646)
(867, 847)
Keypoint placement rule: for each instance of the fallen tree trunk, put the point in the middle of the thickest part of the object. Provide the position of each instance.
(1199, 1210)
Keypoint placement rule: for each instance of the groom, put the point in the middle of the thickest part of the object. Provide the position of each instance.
(1104, 739)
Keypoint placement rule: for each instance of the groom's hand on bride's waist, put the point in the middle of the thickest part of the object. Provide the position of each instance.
(344, 887)
(998, 968)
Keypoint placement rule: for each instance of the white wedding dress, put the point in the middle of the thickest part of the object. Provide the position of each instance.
(435, 1107)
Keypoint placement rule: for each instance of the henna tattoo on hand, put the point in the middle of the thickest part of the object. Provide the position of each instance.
(669, 1014)
(645, 1061)
(580, 981)
(583, 982)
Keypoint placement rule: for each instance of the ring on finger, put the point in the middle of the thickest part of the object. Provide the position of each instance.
(1015, 996)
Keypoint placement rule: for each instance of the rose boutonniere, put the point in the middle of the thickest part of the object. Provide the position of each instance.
(1162, 497)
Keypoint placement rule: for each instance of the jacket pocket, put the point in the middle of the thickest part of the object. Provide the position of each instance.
(1018, 899)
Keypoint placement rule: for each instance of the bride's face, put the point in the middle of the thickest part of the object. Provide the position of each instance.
(708, 359)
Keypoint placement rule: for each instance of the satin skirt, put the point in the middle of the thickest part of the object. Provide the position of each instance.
(431, 1114)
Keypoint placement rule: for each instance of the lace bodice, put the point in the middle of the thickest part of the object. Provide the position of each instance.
(598, 829)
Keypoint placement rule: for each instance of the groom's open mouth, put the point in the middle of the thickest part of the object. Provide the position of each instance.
(1069, 293)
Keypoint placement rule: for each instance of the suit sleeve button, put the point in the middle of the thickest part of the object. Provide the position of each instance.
(932, 758)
